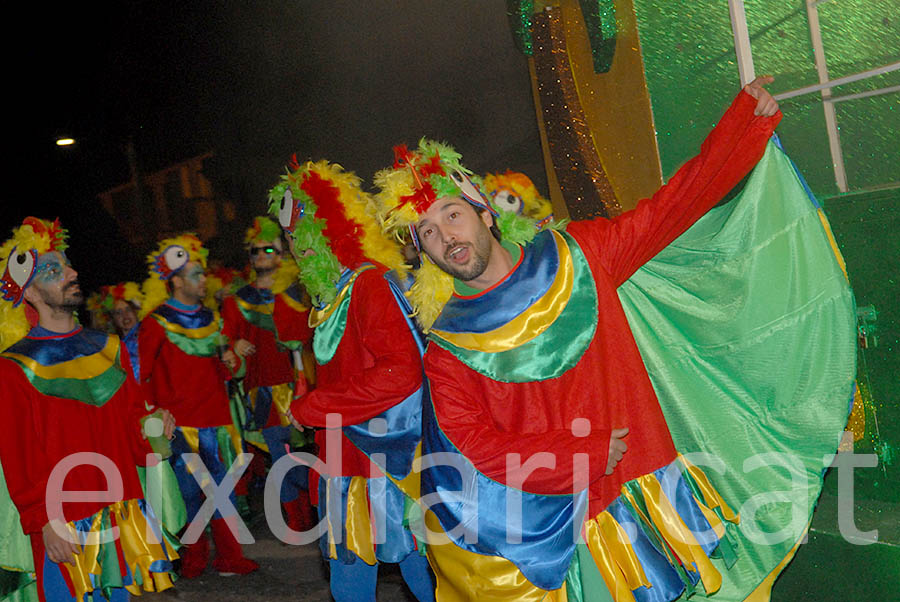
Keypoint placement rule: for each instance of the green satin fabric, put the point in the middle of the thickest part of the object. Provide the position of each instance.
(15, 547)
(226, 446)
(329, 333)
(258, 319)
(166, 499)
(747, 327)
(202, 347)
(95, 391)
(583, 581)
(554, 351)
(16, 586)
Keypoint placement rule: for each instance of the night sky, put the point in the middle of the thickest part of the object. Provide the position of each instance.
(254, 83)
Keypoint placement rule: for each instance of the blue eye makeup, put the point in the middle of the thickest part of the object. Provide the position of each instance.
(50, 270)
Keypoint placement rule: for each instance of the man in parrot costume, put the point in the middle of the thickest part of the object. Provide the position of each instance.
(269, 374)
(73, 413)
(368, 394)
(572, 405)
(185, 362)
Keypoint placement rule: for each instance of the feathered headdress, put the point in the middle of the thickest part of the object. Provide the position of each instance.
(171, 255)
(407, 189)
(515, 192)
(18, 259)
(101, 303)
(264, 229)
(327, 217)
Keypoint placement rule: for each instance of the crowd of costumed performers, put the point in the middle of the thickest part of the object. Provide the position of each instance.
(439, 375)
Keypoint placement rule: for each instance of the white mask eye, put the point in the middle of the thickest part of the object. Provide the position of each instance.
(505, 200)
(175, 257)
(20, 266)
(467, 188)
(286, 210)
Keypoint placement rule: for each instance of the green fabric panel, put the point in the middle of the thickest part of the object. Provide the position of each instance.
(258, 319)
(226, 449)
(15, 546)
(584, 582)
(592, 583)
(747, 327)
(166, 500)
(329, 333)
(291, 345)
(205, 347)
(110, 571)
(95, 391)
(17, 587)
(552, 352)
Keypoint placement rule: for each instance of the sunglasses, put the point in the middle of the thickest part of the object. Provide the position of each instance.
(269, 250)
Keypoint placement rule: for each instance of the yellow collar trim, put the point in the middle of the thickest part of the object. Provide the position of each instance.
(528, 325)
(82, 368)
(318, 316)
(191, 333)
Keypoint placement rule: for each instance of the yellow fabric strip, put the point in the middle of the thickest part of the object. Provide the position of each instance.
(260, 309)
(317, 316)
(191, 333)
(530, 323)
(236, 443)
(295, 305)
(87, 563)
(282, 396)
(677, 535)
(463, 576)
(711, 496)
(139, 546)
(192, 437)
(611, 553)
(139, 549)
(332, 548)
(360, 539)
(82, 368)
(834, 247)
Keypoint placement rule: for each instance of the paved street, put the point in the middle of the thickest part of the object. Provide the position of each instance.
(295, 573)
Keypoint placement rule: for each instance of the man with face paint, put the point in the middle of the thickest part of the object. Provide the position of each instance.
(530, 356)
(66, 390)
(369, 377)
(184, 365)
(269, 378)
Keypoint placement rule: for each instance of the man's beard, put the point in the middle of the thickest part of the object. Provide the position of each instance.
(66, 303)
(481, 254)
(264, 271)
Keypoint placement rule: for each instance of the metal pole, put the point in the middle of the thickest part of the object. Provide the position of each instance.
(834, 141)
(867, 94)
(741, 41)
(839, 81)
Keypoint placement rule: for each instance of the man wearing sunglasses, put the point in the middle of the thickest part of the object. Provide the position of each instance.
(268, 383)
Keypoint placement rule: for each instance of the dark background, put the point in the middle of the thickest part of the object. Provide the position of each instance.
(254, 83)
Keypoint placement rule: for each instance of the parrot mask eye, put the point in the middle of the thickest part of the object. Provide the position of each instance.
(506, 200)
(290, 212)
(18, 274)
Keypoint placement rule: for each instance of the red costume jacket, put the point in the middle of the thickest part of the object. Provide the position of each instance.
(271, 364)
(192, 387)
(376, 366)
(42, 429)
